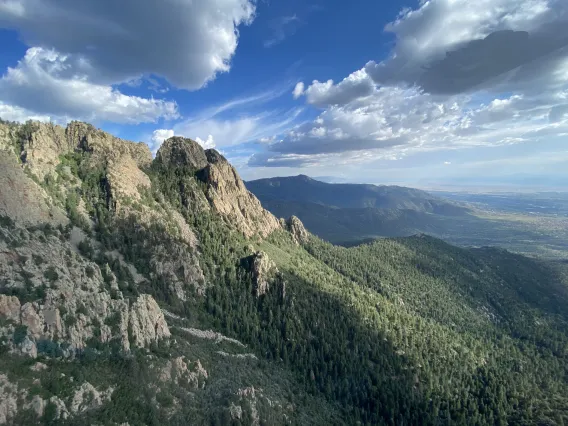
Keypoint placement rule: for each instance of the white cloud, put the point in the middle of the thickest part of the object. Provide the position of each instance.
(12, 113)
(158, 138)
(206, 144)
(298, 90)
(452, 46)
(396, 121)
(224, 132)
(462, 74)
(267, 140)
(186, 42)
(235, 131)
(50, 84)
(356, 85)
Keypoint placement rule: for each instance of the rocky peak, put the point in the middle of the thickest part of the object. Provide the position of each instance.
(297, 229)
(85, 137)
(42, 144)
(213, 156)
(262, 269)
(178, 151)
(228, 195)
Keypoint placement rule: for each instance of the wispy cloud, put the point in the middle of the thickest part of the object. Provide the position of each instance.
(221, 128)
(242, 102)
(281, 28)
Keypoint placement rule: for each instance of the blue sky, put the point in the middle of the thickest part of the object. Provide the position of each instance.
(416, 93)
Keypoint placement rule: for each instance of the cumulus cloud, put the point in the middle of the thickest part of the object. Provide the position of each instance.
(50, 84)
(186, 42)
(461, 74)
(298, 90)
(396, 121)
(13, 113)
(355, 86)
(158, 138)
(206, 144)
(450, 46)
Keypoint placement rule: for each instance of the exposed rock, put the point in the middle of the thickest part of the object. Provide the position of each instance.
(186, 233)
(178, 151)
(22, 199)
(126, 179)
(178, 265)
(211, 335)
(106, 147)
(28, 348)
(228, 195)
(41, 151)
(61, 411)
(38, 366)
(147, 322)
(297, 229)
(8, 137)
(236, 411)
(263, 270)
(8, 399)
(31, 319)
(238, 356)
(177, 371)
(79, 291)
(10, 308)
(249, 396)
(213, 156)
(37, 404)
(87, 397)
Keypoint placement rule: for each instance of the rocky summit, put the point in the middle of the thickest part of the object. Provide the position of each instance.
(141, 291)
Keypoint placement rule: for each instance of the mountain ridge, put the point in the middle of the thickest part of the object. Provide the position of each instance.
(302, 188)
(160, 291)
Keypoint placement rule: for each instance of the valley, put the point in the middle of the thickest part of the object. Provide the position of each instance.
(532, 224)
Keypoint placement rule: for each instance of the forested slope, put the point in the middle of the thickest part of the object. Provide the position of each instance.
(268, 327)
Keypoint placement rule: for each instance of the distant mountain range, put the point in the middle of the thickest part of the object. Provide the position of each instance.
(341, 212)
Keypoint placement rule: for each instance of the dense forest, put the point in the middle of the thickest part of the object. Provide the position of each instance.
(397, 331)
(400, 331)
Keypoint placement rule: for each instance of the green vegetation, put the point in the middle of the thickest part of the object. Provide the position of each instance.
(398, 331)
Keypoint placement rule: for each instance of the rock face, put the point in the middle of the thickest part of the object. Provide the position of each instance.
(9, 307)
(297, 229)
(225, 191)
(147, 322)
(21, 198)
(9, 397)
(178, 372)
(42, 146)
(228, 195)
(177, 151)
(263, 270)
(87, 397)
(77, 305)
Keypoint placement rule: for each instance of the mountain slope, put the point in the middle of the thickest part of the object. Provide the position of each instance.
(350, 213)
(162, 292)
(302, 188)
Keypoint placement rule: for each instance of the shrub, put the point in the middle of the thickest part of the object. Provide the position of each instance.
(51, 274)
(20, 334)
